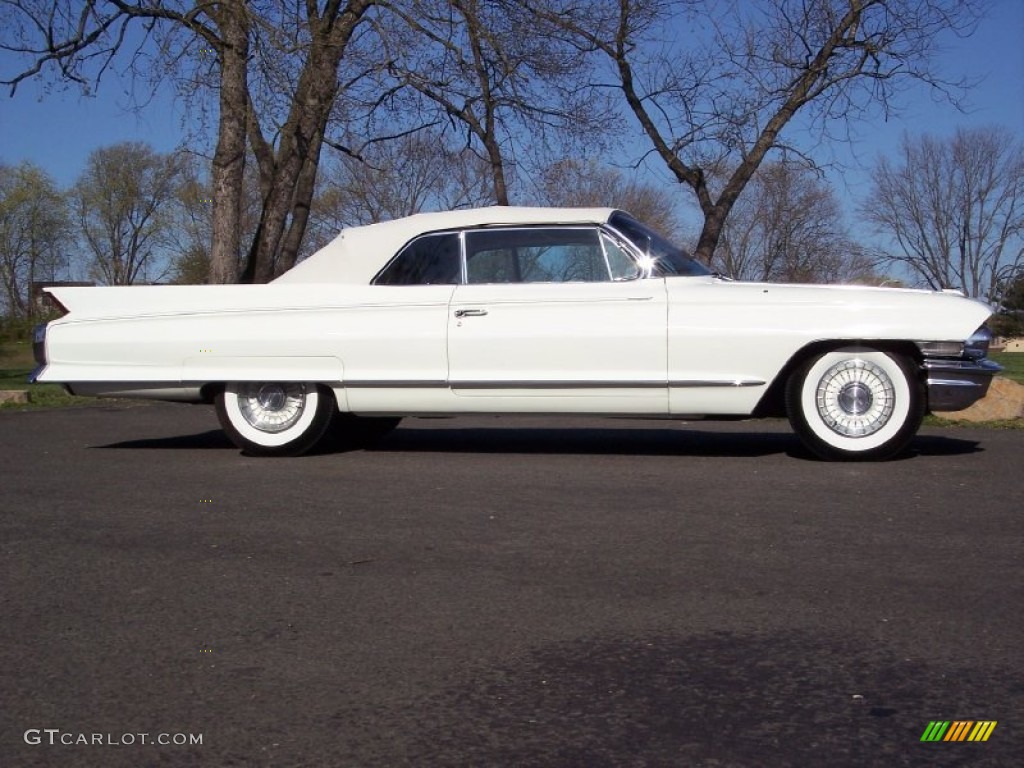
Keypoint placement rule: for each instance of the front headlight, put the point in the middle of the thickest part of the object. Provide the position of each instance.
(976, 347)
(953, 349)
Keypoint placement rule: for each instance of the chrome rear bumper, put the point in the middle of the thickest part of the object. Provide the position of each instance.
(957, 384)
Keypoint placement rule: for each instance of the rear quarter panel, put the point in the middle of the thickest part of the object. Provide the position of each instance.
(265, 332)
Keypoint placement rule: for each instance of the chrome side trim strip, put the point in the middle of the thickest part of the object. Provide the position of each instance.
(717, 383)
(521, 384)
(558, 384)
(394, 384)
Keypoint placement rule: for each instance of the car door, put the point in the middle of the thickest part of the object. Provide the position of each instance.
(394, 344)
(556, 319)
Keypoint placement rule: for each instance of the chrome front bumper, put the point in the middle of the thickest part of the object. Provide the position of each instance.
(957, 384)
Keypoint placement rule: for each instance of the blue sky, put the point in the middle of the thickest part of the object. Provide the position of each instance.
(57, 130)
(993, 56)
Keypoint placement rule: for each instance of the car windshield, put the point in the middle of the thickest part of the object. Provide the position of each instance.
(667, 259)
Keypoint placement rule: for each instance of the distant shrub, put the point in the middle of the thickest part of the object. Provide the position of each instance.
(1007, 324)
(20, 328)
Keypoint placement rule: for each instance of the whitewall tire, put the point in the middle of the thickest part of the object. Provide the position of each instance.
(855, 403)
(275, 418)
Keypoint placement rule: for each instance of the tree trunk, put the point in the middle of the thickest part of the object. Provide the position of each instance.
(290, 174)
(229, 158)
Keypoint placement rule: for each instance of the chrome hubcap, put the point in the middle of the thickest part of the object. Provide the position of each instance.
(271, 407)
(855, 398)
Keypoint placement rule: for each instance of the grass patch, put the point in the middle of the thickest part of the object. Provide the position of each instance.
(14, 378)
(1013, 365)
(50, 396)
(16, 363)
(937, 421)
(39, 395)
(47, 396)
(16, 354)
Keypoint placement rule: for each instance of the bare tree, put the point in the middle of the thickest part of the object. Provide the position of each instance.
(189, 239)
(714, 84)
(954, 209)
(788, 226)
(191, 235)
(35, 230)
(574, 183)
(483, 68)
(409, 174)
(275, 67)
(122, 204)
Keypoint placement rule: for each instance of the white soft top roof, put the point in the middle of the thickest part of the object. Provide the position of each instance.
(359, 253)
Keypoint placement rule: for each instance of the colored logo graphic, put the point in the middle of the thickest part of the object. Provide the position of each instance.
(959, 730)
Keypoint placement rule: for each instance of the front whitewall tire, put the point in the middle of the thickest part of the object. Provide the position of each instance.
(855, 403)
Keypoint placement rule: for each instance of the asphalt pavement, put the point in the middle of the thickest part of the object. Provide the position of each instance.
(504, 592)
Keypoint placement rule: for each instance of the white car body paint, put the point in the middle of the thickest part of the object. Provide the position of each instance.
(659, 346)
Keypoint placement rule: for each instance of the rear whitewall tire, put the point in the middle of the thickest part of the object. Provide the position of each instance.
(856, 403)
(275, 418)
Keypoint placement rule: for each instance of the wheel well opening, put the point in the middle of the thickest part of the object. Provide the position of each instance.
(773, 402)
(210, 391)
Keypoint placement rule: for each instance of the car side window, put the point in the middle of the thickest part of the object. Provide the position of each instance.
(427, 260)
(535, 255)
(620, 263)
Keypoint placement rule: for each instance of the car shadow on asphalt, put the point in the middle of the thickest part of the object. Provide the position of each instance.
(942, 445)
(577, 441)
(644, 442)
(588, 441)
(213, 438)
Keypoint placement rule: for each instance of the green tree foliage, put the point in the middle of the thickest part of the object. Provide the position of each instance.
(123, 204)
(274, 69)
(1012, 295)
(35, 234)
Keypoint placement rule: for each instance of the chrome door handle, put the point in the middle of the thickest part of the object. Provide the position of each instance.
(470, 312)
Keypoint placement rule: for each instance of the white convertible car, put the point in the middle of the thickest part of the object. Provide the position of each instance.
(523, 310)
